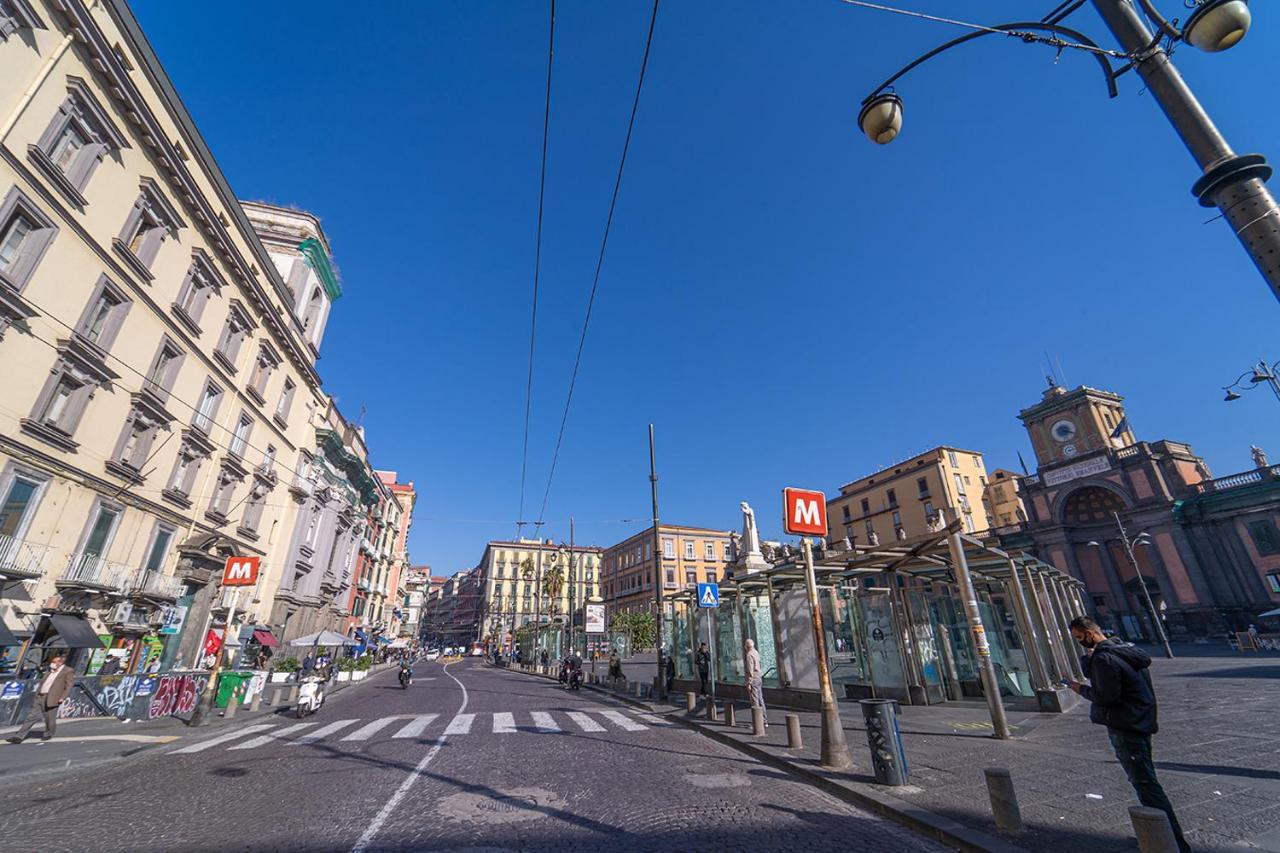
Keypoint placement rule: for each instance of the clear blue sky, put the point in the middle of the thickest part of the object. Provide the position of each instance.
(789, 304)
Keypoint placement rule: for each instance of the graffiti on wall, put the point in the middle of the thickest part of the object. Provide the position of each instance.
(176, 694)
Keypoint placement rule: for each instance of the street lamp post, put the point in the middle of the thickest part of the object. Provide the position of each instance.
(1260, 374)
(1140, 539)
(1231, 182)
(659, 571)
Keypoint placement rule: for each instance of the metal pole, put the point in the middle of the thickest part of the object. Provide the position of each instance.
(1064, 626)
(202, 710)
(573, 578)
(658, 570)
(835, 749)
(1272, 380)
(986, 669)
(1030, 644)
(1232, 183)
(1146, 593)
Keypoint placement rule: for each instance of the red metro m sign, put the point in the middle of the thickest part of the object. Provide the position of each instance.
(240, 571)
(804, 512)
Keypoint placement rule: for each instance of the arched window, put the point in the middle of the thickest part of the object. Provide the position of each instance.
(313, 310)
(1091, 505)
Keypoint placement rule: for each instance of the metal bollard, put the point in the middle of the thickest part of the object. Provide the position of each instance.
(730, 715)
(232, 704)
(888, 758)
(273, 698)
(635, 688)
(793, 731)
(691, 700)
(1151, 826)
(757, 721)
(712, 715)
(1004, 800)
(256, 700)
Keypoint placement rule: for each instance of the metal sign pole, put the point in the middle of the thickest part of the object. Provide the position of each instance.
(986, 669)
(835, 747)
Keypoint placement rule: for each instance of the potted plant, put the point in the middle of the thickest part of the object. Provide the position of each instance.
(284, 669)
(362, 668)
(345, 667)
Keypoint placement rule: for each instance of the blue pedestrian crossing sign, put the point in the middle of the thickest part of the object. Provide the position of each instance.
(708, 595)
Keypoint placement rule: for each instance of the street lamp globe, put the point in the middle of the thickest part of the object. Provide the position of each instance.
(1231, 395)
(1260, 375)
(881, 118)
(1218, 24)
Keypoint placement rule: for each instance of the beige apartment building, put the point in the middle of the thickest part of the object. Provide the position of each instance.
(156, 362)
(897, 502)
(1003, 500)
(690, 555)
(508, 577)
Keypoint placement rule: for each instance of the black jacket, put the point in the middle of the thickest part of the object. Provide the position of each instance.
(1121, 690)
(702, 660)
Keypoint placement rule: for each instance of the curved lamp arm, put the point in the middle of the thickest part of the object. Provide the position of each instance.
(1011, 30)
(1159, 20)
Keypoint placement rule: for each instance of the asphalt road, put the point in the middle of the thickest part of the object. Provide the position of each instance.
(467, 759)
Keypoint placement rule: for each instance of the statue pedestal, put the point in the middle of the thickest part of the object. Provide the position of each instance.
(749, 564)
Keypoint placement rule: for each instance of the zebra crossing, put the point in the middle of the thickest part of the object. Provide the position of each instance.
(404, 726)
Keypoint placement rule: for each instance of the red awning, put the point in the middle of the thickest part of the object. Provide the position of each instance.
(265, 638)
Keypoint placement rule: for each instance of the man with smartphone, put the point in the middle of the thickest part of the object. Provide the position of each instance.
(1124, 700)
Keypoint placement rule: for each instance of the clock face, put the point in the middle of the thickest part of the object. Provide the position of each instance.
(1068, 450)
(1063, 431)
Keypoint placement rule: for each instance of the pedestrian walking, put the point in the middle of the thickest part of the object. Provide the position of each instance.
(702, 660)
(53, 688)
(669, 668)
(755, 675)
(615, 667)
(1123, 699)
(545, 658)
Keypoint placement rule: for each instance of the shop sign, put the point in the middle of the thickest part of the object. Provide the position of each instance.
(595, 618)
(12, 690)
(174, 616)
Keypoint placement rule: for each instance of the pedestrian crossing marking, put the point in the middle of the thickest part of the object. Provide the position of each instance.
(626, 723)
(369, 729)
(544, 721)
(417, 727)
(460, 725)
(263, 740)
(212, 742)
(325, 731)
(584, 722)
(504, 723)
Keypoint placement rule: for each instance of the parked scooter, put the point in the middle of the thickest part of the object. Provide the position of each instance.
(310, 695)
(575, 679)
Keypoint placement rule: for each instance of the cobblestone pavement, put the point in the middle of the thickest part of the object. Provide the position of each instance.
(491, 761)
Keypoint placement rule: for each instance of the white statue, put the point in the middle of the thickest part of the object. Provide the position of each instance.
(873, 538)
(750, 536)
(1259, 456)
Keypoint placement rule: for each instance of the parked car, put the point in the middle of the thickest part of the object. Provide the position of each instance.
(477, 651)
(433, 654)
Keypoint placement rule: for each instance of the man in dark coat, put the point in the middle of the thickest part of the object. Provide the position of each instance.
(1124, 700)
(702, 660)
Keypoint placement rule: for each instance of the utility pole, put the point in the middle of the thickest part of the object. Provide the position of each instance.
(969, 599)
(205, 706)
(573, 579)
(1233, 183)
(658, 571)
(1142, 582)
(537, 597)
(835, 747)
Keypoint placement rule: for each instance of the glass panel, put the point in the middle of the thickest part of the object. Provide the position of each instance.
(926, 639)
(14, 509)
(67, 147)
(760, 627)
(881, 641)
(840, 618)
(101, 532)
(946, 613)
(728, 645)
(684, 645)
(1012, 673)
(155, 560)
(11, 244)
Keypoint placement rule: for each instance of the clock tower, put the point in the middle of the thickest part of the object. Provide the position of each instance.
(1067, 424)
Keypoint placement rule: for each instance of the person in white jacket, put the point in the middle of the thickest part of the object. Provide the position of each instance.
(755, 675)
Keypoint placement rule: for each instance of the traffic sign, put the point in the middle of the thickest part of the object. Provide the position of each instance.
(804, 512)
(708, 595)
(240, 571)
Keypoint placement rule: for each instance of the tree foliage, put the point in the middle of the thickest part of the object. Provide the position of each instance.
(640, 625)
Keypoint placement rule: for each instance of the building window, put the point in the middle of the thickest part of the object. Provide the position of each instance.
(240, 438)
(923, 485)
(951, 457)
(201, 283)
(17, 15)
(225, 487)
(164, 370)
(668, 549)
(285, 402)
(134, 446)
(76, 141)
(268, 458)
(208, 408)
(159, 550)
(688, 550)
(845, 510)
(866, 506)
(100, 531)
(102, 317)
(25, 233)
(897, 519)
(711, 577)
(21, 493)
(63, 402)
(711, 550)
(184, 474)
(233, 335)
(928, 509)
(893, 498)
(729, 556)
(266, 362)
(1265, 536)
(671, 577)
(968, 522)
(253, 507)
(151, 220)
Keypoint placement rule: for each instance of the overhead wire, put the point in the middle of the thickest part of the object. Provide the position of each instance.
(604, 243)
(537, 266)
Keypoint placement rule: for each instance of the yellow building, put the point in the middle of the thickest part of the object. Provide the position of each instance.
(509, 574)
(690, 555)
(1003, 500)
(897, 502)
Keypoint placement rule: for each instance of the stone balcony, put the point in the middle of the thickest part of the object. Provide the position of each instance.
(93, 573)
(21, 560)
(152, 585)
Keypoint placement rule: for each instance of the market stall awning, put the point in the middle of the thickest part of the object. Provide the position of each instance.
(265, 638)
(74, 632)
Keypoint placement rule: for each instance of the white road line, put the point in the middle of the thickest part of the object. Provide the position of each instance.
(206, 744)
(312, 737)
(369, 729)
(652, 720)
(417, 727)
(381, 817)
(503, 723)
(623, 721)
(460, 724)
(544, 721)
(263, 740)
(584, 721)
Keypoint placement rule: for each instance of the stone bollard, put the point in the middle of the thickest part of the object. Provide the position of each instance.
(232, 704)
(730, 715)
(711, 710)
(635, 688)
(757, 721)
(793, 732)
(293, 694)
(271, 700)
(1151, 826)
(256, 700)
(690, 700)
(1004, 800)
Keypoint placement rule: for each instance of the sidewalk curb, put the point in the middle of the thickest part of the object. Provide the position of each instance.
(927, 823)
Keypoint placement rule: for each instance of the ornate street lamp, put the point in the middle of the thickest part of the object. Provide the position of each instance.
(1260, 374)
(1231, 182)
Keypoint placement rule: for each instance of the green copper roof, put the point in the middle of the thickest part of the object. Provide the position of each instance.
(319, 261)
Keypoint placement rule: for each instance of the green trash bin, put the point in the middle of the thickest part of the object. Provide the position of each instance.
(231, 682)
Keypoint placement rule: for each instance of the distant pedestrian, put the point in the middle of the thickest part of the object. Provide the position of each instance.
(52, 689)
(110, 667)
(615, 667)
(544, 658)
(702, 660)
(308, 663)
(669, 668)
(1124, 700)
(755, 675)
